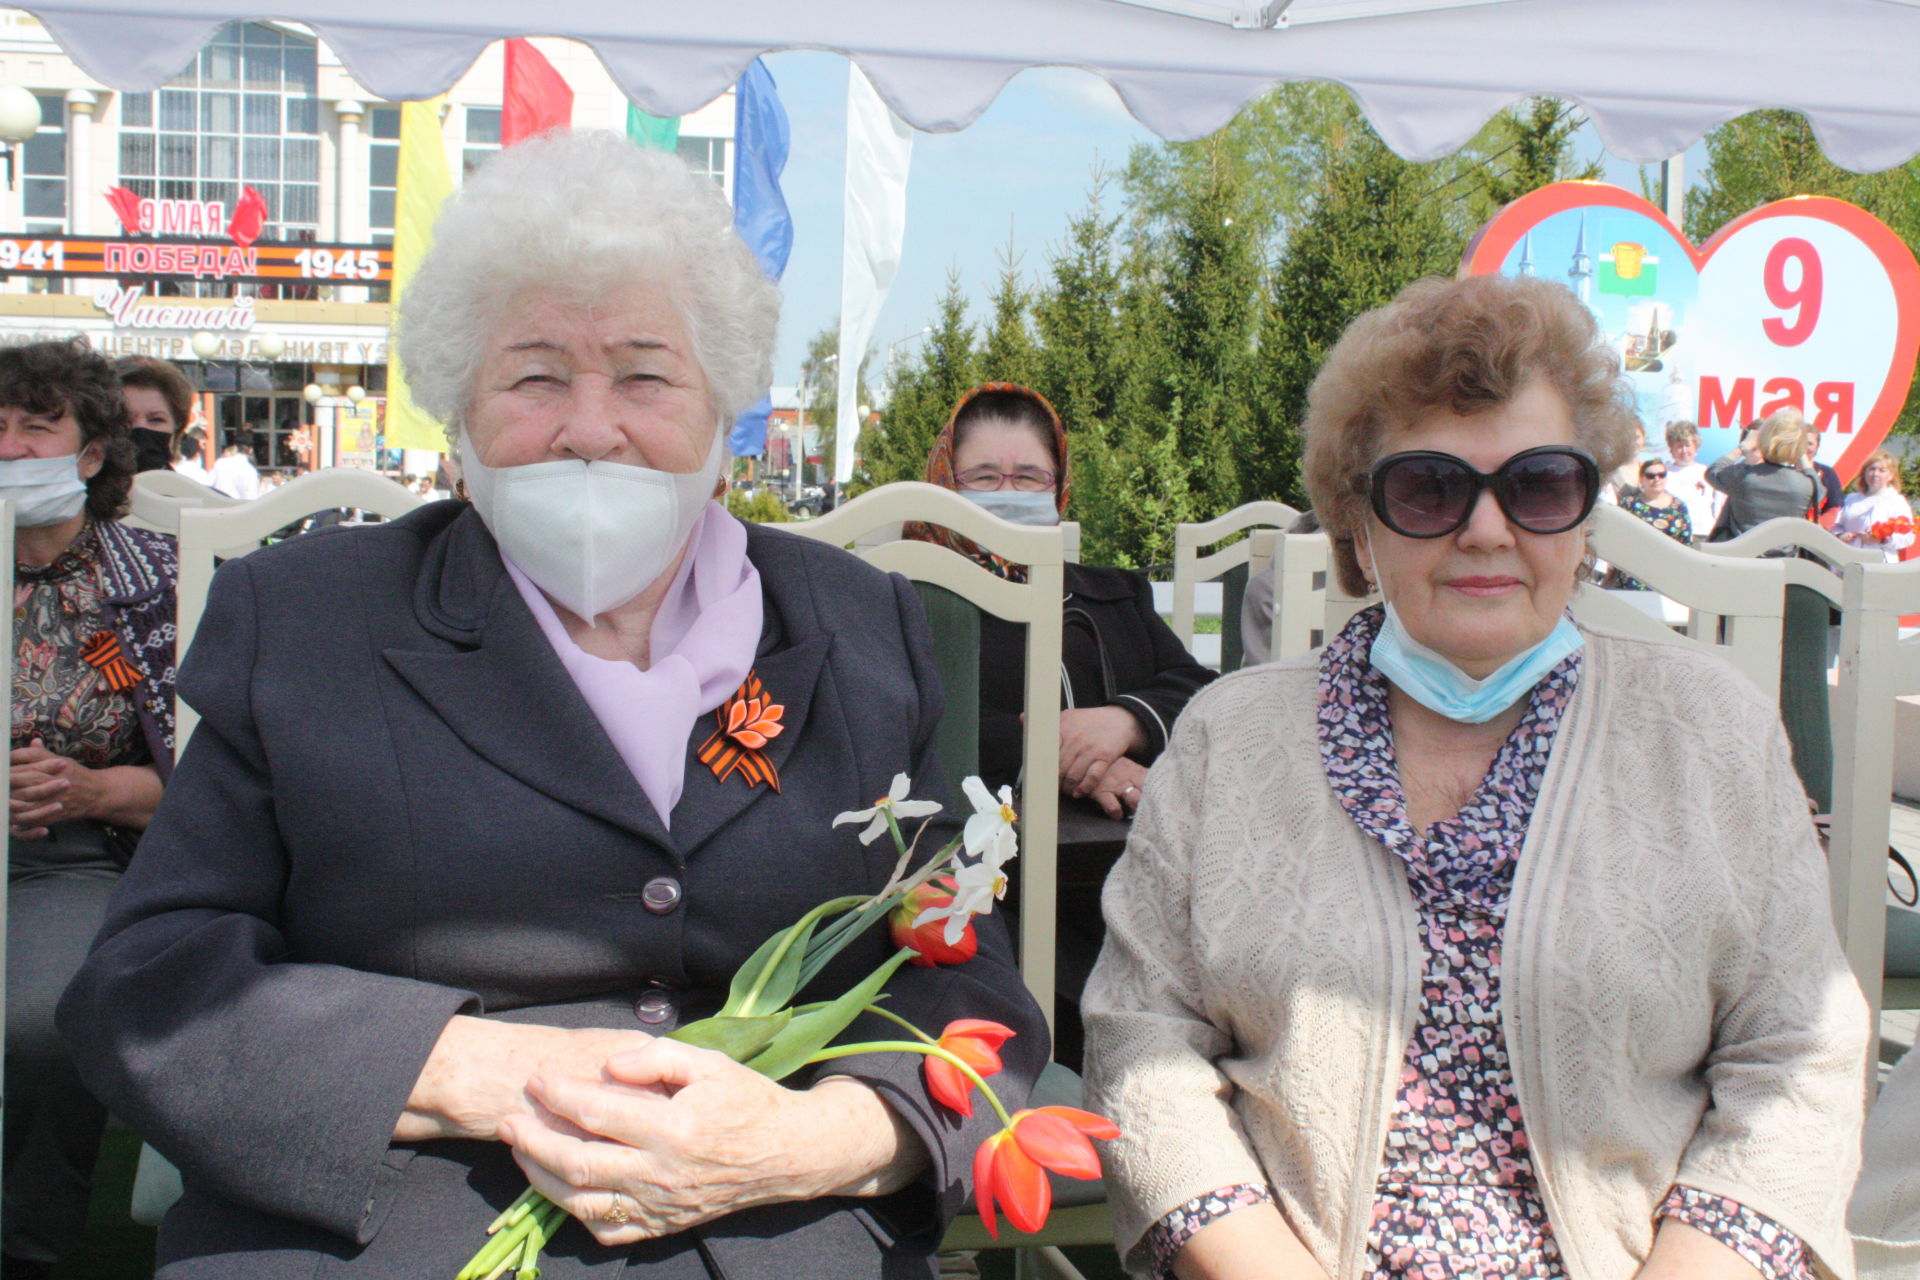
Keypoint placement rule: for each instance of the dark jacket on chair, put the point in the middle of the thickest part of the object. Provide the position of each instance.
(397, 808)
(1115, 651)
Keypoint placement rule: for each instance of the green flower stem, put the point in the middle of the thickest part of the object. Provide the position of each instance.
(829, 907)
(900, 1021)
(515, 1211)
(925, 1050)
(830, 941)
(502, 1244)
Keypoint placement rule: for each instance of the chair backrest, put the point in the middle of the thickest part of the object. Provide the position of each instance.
(158, 498)
(1734, 607)
(6, 647)
(1070, 540)
(1876, 667)
(1191, 567)
(211, 534)
(1037, 604)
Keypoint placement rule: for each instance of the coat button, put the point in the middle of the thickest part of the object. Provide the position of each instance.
(653, 1007)
(660, 894)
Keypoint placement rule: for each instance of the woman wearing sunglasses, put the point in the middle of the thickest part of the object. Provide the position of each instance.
(1656, 505)
(1399, 980)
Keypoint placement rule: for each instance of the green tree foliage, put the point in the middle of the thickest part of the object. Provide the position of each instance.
(764, 507)
(1177, 331)
(1770, 155)
(925, 387)
(820, 390)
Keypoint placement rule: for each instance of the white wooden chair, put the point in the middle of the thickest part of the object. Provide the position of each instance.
(1037, 604)
(6, 647)
(210, 534)
(158, 498)
(1230, 537)
(1876, 667)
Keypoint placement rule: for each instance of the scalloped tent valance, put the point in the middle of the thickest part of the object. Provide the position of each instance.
(1653, 74)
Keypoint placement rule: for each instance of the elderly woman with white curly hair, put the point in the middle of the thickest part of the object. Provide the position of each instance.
(413, 923)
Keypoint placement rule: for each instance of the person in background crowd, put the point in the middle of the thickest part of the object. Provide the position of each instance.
(234, 473)
(1687, 478)
(1876, 501)
(190, 446)
(1832, 492)
(1659, 508)
(159, 404)
(360, 1011)
(1125, 676)
(92, 746)
(1765, 476)
(1126, 673)
(1399, 979)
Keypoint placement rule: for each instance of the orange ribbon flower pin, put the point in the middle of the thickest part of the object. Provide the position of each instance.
(105, 654)
(747, 722)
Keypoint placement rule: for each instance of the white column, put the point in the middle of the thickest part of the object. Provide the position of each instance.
(350, 186)
(349, 174)
(81, 196)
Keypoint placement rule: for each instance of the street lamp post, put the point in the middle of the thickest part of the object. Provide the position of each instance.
(886, 374)
(800, 430)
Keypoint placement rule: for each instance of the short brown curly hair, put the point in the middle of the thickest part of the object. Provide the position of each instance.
(158, 375)
(61, 378)
(1466, 345)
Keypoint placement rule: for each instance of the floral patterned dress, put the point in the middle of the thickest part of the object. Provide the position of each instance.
(1457, 1194)
(68, 689)
(1671, 520)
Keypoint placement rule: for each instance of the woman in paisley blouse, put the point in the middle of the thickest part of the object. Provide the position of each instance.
(1399, 981)
(1659, 508)
(93, 609)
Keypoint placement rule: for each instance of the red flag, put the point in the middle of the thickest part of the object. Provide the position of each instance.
(537, 98)
(249, 217)
(126, 207)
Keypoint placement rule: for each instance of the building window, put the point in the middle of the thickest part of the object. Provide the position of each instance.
(383, 171)
(43, 165)
(707, 157)
(483, 138)
(246, 113)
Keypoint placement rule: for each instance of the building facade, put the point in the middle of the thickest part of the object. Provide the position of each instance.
(120, 223)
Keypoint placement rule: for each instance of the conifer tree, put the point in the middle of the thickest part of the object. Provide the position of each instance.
(925, 387)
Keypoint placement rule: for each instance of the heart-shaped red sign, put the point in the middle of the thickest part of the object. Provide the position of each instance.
(1809, 303)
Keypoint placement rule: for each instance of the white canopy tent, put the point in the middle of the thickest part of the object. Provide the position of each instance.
(1654, 75)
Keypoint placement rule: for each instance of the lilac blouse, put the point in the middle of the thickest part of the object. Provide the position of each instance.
(1456, 1194)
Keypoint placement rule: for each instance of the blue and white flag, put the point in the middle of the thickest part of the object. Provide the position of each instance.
(760, 141)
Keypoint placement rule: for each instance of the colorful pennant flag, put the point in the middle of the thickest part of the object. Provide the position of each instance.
(423, 186)
(656, 133)
(761, 141)
(1629, 270)
(537, 97)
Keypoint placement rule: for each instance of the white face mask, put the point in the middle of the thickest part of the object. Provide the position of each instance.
(43, 491)
(1015, 506)
(592, 535)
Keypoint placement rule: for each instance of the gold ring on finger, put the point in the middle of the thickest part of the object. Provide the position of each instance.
(617, 1215)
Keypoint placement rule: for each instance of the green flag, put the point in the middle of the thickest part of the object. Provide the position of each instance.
(661, 133)
(1629, 270)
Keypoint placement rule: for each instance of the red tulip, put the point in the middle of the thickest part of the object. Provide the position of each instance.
(929, 941)
(1010, 1167)
(975, 1042)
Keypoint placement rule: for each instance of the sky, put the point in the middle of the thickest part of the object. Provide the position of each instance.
(1013, 177)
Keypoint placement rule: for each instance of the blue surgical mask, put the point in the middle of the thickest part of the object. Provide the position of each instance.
(1432, 680)
(1017, 507)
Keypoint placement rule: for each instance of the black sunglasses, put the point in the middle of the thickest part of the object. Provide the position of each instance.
(1425, 494)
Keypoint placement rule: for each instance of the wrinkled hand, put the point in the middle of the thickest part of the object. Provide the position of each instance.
(478, 1070)
(47, 788)
(675, 1136)
(1091, 739)
(1118, 791)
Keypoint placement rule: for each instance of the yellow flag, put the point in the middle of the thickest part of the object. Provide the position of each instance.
(424, 184)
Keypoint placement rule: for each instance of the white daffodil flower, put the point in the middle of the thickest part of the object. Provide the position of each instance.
(896, 800)
(989, 832)
(975, 886)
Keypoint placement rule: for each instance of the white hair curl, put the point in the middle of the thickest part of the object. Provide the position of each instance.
(584, 212)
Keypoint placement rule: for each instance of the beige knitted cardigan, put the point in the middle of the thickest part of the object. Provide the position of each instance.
(1885, 1214)
(1675, 1002)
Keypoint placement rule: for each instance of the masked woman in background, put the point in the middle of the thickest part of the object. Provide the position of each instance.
(159, 406)
(92, 744)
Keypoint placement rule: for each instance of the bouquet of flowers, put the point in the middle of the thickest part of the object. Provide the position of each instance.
(929, 910)
(1891, 527)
